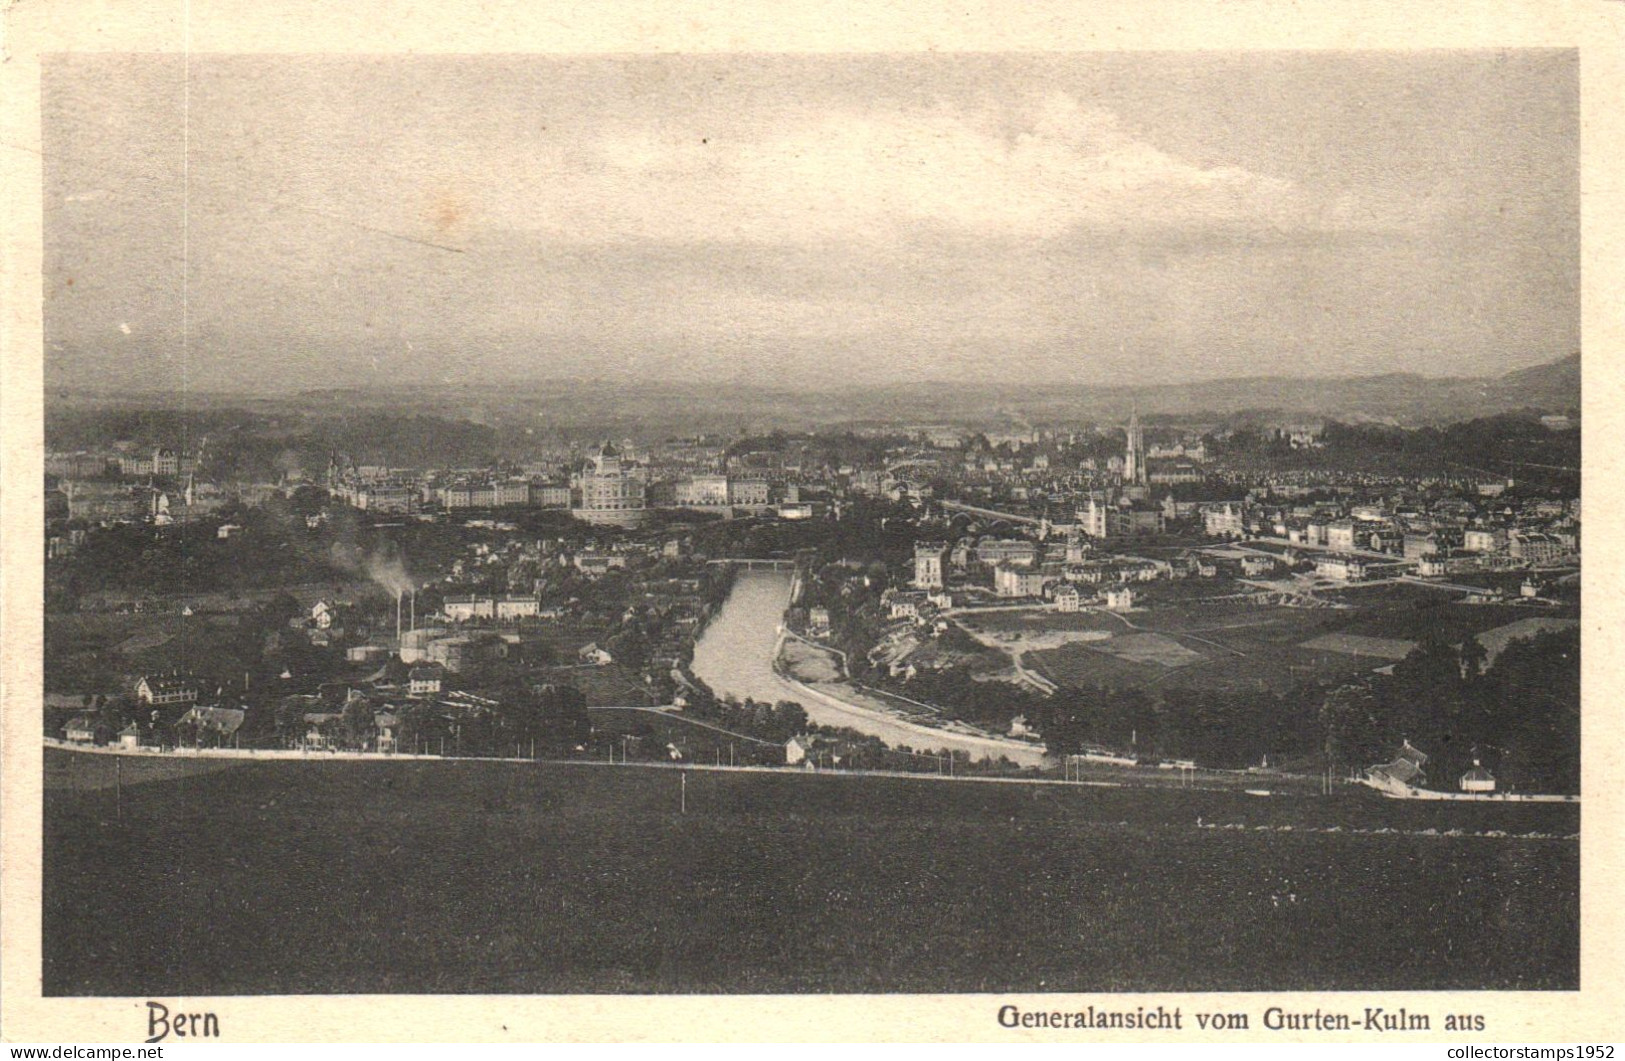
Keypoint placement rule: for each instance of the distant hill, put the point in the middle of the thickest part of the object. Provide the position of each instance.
(617, 407)
(1550, 387)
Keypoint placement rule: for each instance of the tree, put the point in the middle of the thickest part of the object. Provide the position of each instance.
(564, 722)
(358, 721)
(1474, 657)
(1348, 718)
(789, 719)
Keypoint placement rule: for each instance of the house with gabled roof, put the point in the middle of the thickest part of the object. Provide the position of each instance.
(1478, 779)
(214, 723)
(1404, 772)
(81, 729)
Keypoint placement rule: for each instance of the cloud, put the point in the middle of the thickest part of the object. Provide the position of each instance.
(877, 172)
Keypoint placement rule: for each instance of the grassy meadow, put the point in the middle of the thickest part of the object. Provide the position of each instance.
(446, 877)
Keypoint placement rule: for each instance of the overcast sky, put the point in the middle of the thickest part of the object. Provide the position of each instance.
(836, 219)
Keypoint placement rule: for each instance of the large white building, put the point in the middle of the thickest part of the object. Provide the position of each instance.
(702, 490)
(611, 494)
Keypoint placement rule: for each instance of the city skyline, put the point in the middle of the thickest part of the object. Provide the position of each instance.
(1088, 219)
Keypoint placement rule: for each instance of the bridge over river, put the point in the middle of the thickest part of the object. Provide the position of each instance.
(735, 657)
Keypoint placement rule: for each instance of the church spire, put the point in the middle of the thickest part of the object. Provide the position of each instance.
(1134, 451)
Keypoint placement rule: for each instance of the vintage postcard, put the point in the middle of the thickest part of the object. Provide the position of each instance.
(1064, 526)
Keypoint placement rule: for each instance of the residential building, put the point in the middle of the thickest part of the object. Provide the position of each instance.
(550, 495)
(426, 679)
(160, 690)
(1404, 772)
(1134, 520)
(1119, 598)
(996, 551)
(1254, 566)
(1342, 568)
(213, 724)
(1535, 548)
(1223, 522)
(929, 558)
(97, 502)
(1485, 540)
(1340, 536)
(518, 607)
(1417, 546)
(747, 492)
(81, 729)
(1010, 580)
(1092, 518)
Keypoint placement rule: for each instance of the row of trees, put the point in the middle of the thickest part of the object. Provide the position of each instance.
(1519, 716)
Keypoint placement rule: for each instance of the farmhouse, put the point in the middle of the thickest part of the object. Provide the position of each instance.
(795, 752)
(1405, 771)
(214, 722)
(81, 729)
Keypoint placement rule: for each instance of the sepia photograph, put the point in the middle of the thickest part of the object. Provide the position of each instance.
(812, 523)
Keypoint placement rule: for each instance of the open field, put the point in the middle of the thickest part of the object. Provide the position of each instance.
(444, 877)
(1359, 645)
(1244, 646)
(609, 685)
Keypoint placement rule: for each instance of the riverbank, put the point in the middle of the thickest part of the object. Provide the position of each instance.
(738, 655)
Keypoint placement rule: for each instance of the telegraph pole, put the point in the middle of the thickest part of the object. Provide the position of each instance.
(683, 794)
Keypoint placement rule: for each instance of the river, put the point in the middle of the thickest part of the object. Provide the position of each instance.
(735, 654)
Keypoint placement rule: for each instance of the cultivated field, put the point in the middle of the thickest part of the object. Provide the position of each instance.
(439, 877)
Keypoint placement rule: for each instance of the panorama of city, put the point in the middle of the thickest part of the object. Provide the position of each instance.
(882, 676)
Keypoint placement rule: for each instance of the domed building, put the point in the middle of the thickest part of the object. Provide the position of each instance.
(612, 493)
